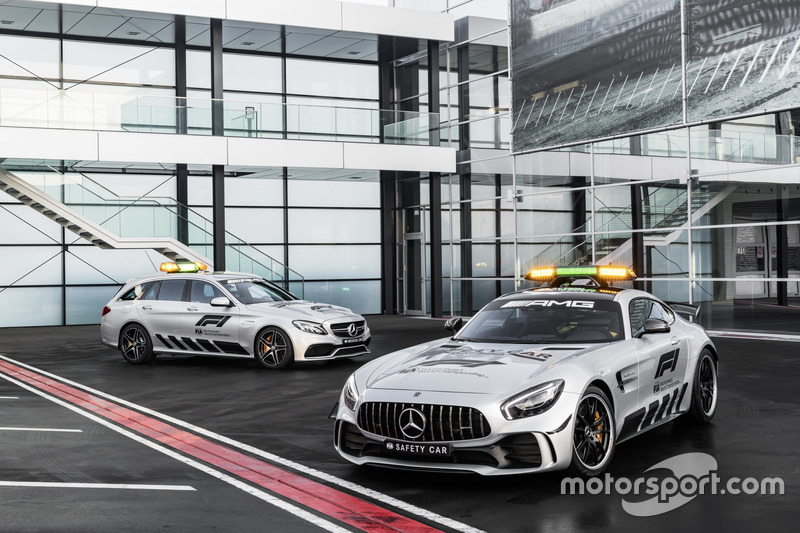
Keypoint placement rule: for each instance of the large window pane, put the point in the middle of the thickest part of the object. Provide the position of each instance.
(360, 296)
(118, 63)
(38, 306)
(324, 78)
(333, 226)
(336, 262)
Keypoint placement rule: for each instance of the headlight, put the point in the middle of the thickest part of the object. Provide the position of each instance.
(351, 393)
(533, 401)
(309, 327)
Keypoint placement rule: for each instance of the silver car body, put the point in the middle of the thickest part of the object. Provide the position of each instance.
(460, 386)
(186, 327)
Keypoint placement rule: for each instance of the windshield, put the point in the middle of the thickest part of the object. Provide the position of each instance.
(545, 320)
(256, 291)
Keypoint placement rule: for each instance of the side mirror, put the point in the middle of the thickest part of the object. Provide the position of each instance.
(454, 324)
(221, 301)
(654, 325)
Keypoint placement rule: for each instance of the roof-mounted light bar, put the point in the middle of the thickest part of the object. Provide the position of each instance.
(172, 268)
(601, 273)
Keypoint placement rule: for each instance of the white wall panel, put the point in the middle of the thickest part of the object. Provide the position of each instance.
(399, 157)
(43, 143)
(290, 153)
(325, 14)
(197, 8)
(144, 147)
(394, 21)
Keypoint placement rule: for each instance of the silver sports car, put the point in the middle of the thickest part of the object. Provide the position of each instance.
(188, 312)
(543, 379)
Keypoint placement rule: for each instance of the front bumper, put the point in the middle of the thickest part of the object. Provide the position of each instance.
(501, 447)
(508, 454)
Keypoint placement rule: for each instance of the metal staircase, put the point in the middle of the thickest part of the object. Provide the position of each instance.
(99, 216)
(667, 219)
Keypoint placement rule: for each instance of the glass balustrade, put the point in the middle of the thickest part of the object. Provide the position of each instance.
(195, 116)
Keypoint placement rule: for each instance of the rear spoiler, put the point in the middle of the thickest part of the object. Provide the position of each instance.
(687, 310)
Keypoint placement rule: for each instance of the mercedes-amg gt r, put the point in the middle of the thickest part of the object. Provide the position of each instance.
(542, 379)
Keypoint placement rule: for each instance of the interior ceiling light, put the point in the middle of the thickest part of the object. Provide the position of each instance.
(353, 53)
(134, 32)
(247, 43)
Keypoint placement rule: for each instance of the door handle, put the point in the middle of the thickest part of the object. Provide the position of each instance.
(191, 308)
(674, 340)
(147, 307)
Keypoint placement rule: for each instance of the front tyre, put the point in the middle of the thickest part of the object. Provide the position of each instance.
(593, 437)
(273, 349)
(135, 345)
(704, 390)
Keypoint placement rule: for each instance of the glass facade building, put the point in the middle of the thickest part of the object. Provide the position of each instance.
(362, 165)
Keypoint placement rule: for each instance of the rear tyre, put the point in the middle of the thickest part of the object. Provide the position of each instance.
(704, 390)
(135, 345)
(273, 349)
(593, 437)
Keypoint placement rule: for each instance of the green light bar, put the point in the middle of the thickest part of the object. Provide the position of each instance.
(576, 271)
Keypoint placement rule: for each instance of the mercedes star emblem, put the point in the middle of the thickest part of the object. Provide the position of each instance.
(412, 423)
(352, 329)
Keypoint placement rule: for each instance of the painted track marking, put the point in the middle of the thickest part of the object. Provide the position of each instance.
(336, 504)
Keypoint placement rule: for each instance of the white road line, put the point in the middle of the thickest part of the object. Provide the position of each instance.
(619, 95)
(567, 104)
(649, 88)
(54, 430)
(771, 60)
(546, 98)
(605, 97)
(579, 103)
(634, 89)
(555, 105)
(788, 61)
(665, 83)
(265, 496)
(750, 67)
(378, 496)
(733, 69)
(721, 59)
(592, 100)
(125, 486)
(699, 71)
(9, 397)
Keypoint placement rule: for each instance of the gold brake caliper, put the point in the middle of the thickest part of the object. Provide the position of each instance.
(600, 427)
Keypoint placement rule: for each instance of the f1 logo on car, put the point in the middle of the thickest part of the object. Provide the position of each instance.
(668, 362)
(213, 320)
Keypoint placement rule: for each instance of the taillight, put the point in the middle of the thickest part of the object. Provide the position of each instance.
(106, 310)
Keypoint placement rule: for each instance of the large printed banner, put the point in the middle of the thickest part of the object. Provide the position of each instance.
(589, 69)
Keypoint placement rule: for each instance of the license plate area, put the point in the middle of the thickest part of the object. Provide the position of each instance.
(416, 449)
(354, 340)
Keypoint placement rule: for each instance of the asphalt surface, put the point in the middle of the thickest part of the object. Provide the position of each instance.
(96, 479)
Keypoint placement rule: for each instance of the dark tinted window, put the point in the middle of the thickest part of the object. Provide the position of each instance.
(172, 290)
(643, 308)
(546, 320)
(256, 291)
(204, 292)
(141, 291)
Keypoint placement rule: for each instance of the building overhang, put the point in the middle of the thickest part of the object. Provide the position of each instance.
(108, 146)
(322, 14)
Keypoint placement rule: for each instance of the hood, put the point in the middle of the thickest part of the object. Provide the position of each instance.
(449, 366)
(303, 309)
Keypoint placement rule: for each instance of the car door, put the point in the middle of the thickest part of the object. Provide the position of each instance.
(208, 328)
(162, 314)
(662, 362)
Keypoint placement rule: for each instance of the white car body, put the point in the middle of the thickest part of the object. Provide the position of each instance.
(191, 324)
(440, 405)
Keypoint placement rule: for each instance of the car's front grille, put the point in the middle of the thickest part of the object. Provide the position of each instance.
(441, 422)
(342, 329)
